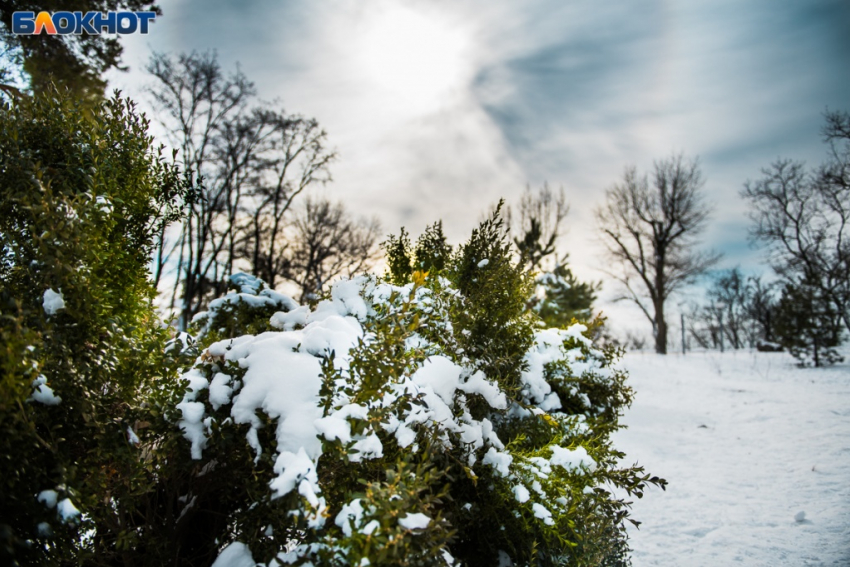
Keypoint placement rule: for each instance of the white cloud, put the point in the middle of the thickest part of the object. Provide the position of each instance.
(437, 108)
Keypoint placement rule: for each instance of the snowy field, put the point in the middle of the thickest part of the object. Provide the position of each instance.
(757, 455)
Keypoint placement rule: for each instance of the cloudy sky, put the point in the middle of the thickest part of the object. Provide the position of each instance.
(438, 108)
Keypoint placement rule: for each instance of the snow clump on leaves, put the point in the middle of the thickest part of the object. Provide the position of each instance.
(381, 426)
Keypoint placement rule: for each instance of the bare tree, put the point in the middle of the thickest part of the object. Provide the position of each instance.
(538, 225)
(761, 308)
(194, 100)
(327, 244)
(804, 218)
(296, 159)
(729, 305)
(737, 312)
(650, 233)
(252, 162)
(537, 230)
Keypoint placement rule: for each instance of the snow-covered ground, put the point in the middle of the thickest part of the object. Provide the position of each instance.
(757, 455)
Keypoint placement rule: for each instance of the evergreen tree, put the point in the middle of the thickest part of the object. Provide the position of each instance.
(431, 253)
(432, 249)
(399, 257)
(808, 325)
(493, 319)
(560, 297)
(75, 62)
(563, 299)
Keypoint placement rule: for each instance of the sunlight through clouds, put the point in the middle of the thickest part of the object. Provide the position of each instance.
(421, 61)
(439, 108)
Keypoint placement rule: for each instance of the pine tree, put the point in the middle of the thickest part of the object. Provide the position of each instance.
(563, 298)
(432, 249)
(399, 257)
(808, 325)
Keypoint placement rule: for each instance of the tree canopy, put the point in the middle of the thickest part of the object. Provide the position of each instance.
(75, 62)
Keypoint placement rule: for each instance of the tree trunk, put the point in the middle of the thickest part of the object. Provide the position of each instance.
(816, 353)
(660, 328)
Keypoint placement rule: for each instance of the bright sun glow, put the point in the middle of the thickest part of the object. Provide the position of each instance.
(417, 58)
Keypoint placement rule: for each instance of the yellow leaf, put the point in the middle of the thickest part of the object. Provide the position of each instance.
(419, 277)
(550, 420)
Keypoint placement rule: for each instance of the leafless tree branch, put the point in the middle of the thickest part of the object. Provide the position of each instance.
(650, 232)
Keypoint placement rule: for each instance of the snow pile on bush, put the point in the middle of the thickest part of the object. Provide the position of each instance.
(373, 379)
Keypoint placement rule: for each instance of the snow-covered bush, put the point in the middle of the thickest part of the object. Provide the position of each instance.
(427, 421)
(421, 419)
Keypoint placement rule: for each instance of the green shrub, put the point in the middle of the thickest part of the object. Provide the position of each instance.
(421, 419)
(84, 193)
